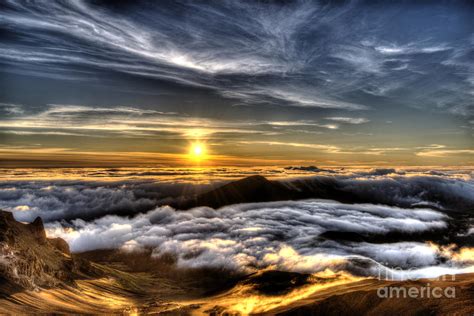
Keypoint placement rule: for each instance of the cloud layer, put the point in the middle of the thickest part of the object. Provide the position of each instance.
(281, 235)
(99, 192)
(95, 212)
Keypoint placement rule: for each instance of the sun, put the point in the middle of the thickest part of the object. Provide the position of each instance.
(197, 151)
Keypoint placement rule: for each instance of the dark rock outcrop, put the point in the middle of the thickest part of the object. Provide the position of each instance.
(29, 259)
(60, 244)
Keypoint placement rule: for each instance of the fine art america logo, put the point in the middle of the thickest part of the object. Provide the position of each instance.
(416, 290)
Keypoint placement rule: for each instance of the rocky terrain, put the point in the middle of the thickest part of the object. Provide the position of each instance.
(29, 259)
(39, 275)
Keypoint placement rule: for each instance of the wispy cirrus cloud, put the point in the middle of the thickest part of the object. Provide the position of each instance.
(438, 150)
(445, 152)
(10, 109)
(302, 123)
(126, 121)
(322, 147)
(332, 149)
(175, 130)
(121, 121)
(348, 120)
(411, 48)
(277, 54)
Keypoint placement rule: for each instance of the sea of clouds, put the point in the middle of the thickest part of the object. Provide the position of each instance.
(279, 235)
(65, 200)
(127, 209)
(97, 193)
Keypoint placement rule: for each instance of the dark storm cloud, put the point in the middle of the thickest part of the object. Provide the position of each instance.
(297, 53)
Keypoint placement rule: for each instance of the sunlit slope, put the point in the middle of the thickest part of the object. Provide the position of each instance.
(342, 295)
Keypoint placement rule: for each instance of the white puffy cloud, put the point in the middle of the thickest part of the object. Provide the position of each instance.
(281, 235)
(65, 200)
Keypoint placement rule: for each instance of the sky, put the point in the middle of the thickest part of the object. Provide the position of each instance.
(121, 83)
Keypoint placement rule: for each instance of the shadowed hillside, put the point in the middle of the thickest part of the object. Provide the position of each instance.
(250, 189)
(400, 193)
